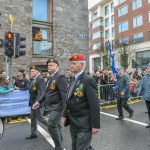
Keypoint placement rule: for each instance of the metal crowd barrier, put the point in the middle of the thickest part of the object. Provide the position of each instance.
(106, 93)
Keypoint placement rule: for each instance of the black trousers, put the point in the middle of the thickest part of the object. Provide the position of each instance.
(36, 115)
(148, 108)
(55, 128)
(122, 103)
(81, 140)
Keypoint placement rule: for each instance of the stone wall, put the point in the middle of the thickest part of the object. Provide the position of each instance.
(70, 34)
(70, 30)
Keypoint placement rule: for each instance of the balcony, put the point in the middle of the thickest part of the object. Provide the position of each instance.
(42, 47)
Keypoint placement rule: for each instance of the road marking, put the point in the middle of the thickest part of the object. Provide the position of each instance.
(112, 106)
(44, 133)
(129, 120)
(17, 121)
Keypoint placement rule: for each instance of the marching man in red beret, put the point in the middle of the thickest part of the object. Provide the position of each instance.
(82, 110)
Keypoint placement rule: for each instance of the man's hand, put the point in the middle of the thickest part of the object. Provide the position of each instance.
(95, 130)
(63, 120)
(122, 93)
(36, 105)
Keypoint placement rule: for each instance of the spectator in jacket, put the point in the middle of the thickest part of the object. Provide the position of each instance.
(6, 86)
(21, 83)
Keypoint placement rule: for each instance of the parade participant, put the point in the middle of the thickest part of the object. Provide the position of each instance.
(144, 89)
(21, 83)
(123, 93)
(55, 97)
(36, 88)
(82, 106)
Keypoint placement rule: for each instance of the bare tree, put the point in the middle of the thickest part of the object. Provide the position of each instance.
(103, 52)
(126, 52)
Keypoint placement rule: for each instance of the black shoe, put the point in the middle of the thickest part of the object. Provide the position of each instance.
(131, 114)
(120, 118)
(32, 136)
(148, 126)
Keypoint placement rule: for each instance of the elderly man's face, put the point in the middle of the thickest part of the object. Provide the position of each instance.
(76, 66)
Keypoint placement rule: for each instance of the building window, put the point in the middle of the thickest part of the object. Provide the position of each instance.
(143, 58)
(112, 19)
(113, 32)
(136, 4)
(97, 35)
(40, 10)
(123, 26)
(106, 10)
(41, 46)
(95, 15)
(137, 38)
(123, 10)
(148, 1)
(112, 7)
(124, 41)
(96, 46)
(149, 16)
(121, 1)
(97, 24)
(106, 22)
(107, 34)
(137, 21)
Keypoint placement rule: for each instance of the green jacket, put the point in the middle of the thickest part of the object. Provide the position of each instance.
(124, 86)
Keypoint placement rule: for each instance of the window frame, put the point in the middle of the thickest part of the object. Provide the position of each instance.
(136, 5)
(122, 28)
(121, 12)
(138, 38)
(137, 22)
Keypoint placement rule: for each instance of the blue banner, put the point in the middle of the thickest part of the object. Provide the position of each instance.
(14, 103)
(113, 67)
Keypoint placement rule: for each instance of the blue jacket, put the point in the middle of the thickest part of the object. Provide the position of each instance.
(5, 89)
(144, 88)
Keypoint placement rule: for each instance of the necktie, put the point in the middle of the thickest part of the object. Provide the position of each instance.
(48, 81)
(72, 80)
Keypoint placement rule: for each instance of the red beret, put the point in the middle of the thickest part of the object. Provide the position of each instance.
(77, 57)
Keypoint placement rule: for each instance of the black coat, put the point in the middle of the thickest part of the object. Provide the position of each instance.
(23, 84)
(36, 89)
(55, 94)
(82, 107)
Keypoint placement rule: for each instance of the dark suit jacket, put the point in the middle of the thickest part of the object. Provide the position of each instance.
(36, 89)
(82, 107)
(55, 94)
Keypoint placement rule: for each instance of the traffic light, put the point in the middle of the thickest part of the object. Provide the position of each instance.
(9, 44)
(20, 47)
(1, 43)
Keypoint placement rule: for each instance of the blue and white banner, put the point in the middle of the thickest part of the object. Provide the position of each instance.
(14, 103)
(113, 67)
